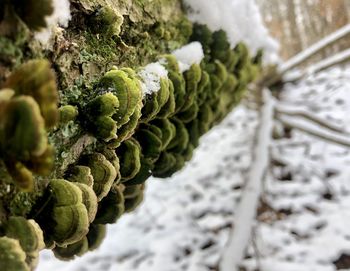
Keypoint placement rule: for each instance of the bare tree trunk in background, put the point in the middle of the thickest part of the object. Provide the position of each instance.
(295, 37)
(297, 24)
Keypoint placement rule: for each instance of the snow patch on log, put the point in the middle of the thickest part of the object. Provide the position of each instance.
(241, 20)
(60, 17)
(188, 55)
(150, 77)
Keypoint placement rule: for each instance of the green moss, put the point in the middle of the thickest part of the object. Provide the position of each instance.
(110, 139)
(22, 203)
(68, 113)
(106, 22)
(10, 53)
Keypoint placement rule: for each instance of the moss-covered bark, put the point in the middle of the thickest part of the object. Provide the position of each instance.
(100, 35)
(83, 145)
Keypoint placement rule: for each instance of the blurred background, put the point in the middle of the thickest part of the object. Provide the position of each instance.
(297, 24)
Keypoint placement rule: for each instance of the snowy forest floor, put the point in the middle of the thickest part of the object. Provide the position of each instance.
(303, 222)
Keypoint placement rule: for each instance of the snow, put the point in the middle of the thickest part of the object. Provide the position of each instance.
(150, 77)
(188, 55)
(61, 16)
(306, 226)
(151, 74)
(241, 20)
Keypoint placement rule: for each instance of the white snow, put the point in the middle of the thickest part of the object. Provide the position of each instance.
(307, 226)
(151, 74)
(188, 55)
(60, 17)
(241, 20)
(150, 77)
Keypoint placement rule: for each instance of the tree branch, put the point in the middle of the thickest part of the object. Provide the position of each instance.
(314, 49)
(298, 112)
(246, 212)
(315, 130)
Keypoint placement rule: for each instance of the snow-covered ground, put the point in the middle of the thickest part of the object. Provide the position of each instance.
(304, 221)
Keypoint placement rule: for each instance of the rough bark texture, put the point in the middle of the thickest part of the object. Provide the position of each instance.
(81, 53)
(80, 129)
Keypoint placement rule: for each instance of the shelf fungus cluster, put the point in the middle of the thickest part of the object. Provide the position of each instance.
(71, 167)
(28, 109)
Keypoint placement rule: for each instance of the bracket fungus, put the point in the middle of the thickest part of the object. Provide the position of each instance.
(103, 172)
(70, 251)
(36, 79)
(86, 160)
(133, 197)
(28, 106)
(111, 207)
(126, 88)
(64, 219)
(29, 235)
(12, 256)
(129, 155)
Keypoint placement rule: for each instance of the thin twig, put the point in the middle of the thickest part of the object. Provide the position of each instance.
(315, 48)
(317, 131)
(298, 112)
(337, 59)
